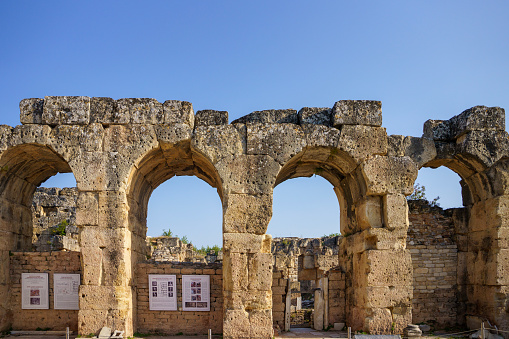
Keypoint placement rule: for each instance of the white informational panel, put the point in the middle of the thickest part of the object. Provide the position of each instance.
(196, 293)
(66, 291)
(34, 291)
(162, 292)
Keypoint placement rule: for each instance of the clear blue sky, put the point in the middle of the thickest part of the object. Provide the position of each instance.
(422, 59)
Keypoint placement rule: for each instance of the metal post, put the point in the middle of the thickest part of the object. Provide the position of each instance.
(67, 333)
(210, 333)
(482, 330)
(349, 333)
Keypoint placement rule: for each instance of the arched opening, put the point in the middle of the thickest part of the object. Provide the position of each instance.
(184, 220)
(151, 315)
(23, 169)
(305, 230)
(309, 277)
(54, 214)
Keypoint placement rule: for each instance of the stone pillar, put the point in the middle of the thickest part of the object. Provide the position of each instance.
(319, 310)
(247, 260)
(488, 260)
(105, 293)
(379, 294)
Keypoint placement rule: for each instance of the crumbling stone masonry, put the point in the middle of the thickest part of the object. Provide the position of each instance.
(120, 150)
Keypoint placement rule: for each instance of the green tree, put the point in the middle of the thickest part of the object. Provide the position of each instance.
(184, 239)
(419, 193)
(167, 233)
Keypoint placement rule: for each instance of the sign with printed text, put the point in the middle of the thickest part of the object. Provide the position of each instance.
(34, 291)
(66, 291)
(162, 292)
(196, 293)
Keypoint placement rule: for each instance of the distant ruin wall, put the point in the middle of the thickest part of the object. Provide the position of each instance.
(173, 322)
(54, 219)
(431, 242)
(43, 262)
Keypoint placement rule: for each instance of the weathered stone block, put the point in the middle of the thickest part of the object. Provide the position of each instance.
(361, 142)
(478, 118)
(261, 324)
(31, 111)
(420, 150)
(357, 112)
(87, 209)
(106, 111)
(384, 268)
(246, 243)
(270, 116)
(244, 213)
(315, 116)
(66, 110)
(105, 297)
(321, 136)
(218, 142)
(248, 174)
(211, 118)
(236, 324)
(487, 147)
(369, 212)
(439, 130)
(389, 175)
(178, 112)
(260, 271)
(30, 134)
(279, 141)
(395, 209)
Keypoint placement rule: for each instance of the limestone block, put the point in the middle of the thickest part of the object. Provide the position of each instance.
(146, 111)
(92, 321)
(236, 324)
(106, 111)
(361, 142)
(64, 139)
(4, 269)
(102, 237)
(395, 145)
(378, 321)
(5, 137)
(106, 266)
(478, 118)
(369, 212)
(487, 147)
(171, 134)
(389, 175)
(488, 214)
(218, 142)
(129, 141)
(244, 213)
(260, 322)
(66, 110)
(248, 300)
(384, 296)
(384, 268)
(31, 111)
(260, 271)
(438, 130)
(280, 141)
(246, 243)
(395, 209)
(104, 297)
(87, 209)
(420, 150)
(402, 317)
(30, 134)
(235, 271)
(211, 118)
(91, 138)
(321, 136)
(315, 116)
(89, 169)
(113, 209)
(248, 174)
(178, 112)
(270, 116)
(357, 112)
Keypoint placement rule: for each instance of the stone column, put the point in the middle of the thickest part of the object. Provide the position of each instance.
(380, 291)
(247, 261)
(488, 260)
(105, 293)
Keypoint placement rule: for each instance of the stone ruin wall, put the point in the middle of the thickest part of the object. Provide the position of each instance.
(43, 262)
(174, 322)
(120, 150)
(50, 208)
